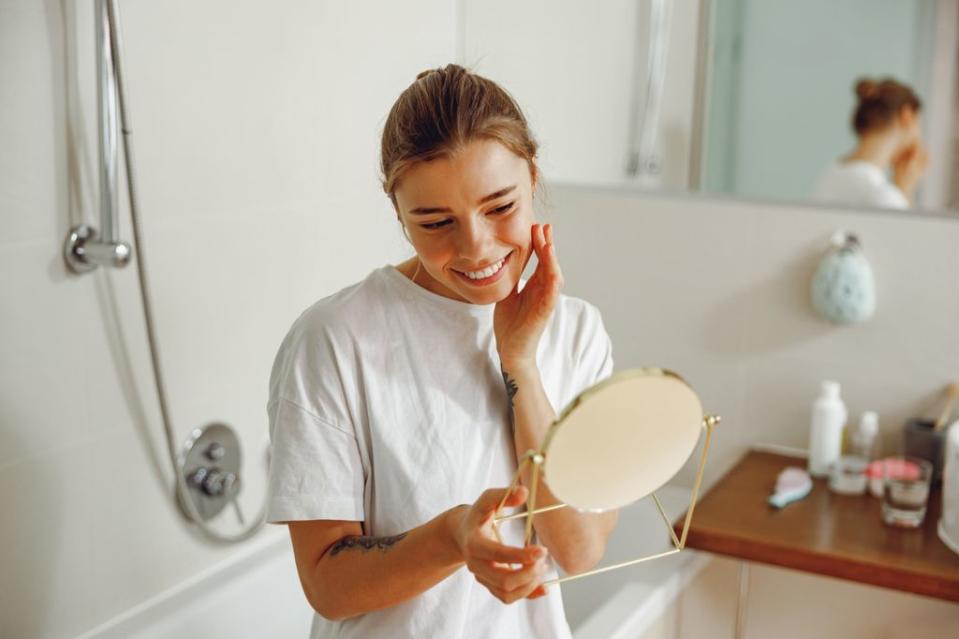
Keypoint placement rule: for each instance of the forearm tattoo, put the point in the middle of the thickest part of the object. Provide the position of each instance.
(511, 389)
(365, 543)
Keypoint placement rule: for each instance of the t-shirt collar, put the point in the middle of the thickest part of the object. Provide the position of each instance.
(417, 292)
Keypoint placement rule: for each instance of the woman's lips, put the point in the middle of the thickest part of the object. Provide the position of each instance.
(486, 280)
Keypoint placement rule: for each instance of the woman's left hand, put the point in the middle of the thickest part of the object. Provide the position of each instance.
(520, 318)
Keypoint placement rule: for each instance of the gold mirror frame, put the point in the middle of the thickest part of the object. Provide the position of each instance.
(537, 459)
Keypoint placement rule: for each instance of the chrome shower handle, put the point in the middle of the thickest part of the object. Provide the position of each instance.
(83, 249)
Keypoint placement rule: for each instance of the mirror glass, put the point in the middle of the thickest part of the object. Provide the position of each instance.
(748, 99)
(622, 439)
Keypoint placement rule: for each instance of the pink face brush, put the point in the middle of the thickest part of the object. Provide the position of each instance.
(792, 484)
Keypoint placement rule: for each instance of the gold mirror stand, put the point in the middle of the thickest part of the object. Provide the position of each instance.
(537, 458)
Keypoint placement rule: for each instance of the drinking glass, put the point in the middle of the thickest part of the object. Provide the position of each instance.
(905, 491)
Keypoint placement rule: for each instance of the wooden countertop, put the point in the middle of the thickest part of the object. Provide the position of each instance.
(825, 533)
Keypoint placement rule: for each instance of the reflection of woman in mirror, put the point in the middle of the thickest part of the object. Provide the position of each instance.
(886, 122)
(399, 405)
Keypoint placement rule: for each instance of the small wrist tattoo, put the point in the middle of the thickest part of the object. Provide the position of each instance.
(365, 543)
(511, 388)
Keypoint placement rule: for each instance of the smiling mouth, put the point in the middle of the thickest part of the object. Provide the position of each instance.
(487, 274)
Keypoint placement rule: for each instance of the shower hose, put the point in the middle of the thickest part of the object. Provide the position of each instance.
(181, 489)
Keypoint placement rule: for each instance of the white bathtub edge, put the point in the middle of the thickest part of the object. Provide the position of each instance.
(165, 604)
(631, 611)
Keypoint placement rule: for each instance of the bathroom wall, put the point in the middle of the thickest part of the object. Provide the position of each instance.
(256, 144)
(582, 126)
(718, 291)
(256, 136)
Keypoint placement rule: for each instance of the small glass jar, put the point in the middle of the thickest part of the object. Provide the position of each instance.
(848, 475)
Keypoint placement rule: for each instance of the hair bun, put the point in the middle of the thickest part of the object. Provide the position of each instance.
(867, 89)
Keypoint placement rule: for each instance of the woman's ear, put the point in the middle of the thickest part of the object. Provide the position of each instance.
(907, 117)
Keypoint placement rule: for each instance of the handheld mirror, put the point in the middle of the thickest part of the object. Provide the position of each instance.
(617, 442)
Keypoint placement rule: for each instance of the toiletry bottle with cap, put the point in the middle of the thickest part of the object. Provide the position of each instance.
(864, 442)
(825, 433)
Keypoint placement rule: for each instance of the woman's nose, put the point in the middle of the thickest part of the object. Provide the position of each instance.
(474, 241)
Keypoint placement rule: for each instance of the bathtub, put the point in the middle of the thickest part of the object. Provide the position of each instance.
(625, 602)
(256, 593)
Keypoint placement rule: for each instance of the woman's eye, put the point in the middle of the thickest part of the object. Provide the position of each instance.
(500, 210)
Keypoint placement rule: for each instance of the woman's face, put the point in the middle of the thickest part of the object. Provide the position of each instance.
(909, 129)
(469, 218)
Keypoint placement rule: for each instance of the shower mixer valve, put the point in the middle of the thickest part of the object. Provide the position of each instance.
(214, 482)
(210, 462)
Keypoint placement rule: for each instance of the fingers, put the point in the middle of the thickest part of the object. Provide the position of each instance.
(539, 592)
(509, 597)
(511, 585)
(545, 232)
(549, 251)
(489, 502)
(510, 579)
(483, 548)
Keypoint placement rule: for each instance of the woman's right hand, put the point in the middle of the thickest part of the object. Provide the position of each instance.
(908, 167)
(489, 560)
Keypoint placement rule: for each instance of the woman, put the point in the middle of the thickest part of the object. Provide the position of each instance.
(886, 121)
(399, 405)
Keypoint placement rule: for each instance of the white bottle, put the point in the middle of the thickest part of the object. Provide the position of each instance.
(825, 433)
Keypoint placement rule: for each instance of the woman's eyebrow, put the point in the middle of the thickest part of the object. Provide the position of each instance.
(423, 210)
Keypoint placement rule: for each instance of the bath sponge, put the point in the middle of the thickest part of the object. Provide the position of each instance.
(843, 289)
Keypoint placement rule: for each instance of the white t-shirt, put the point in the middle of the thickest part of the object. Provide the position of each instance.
(858, 183)
(387, 406)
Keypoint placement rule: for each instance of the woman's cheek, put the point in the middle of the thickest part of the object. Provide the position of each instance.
(517, 229)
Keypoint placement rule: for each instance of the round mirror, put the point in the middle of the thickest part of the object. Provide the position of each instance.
(621, 439)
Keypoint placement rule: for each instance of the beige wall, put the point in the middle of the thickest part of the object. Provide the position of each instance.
(718, 291)
(256, 135)
(256, 130)
(582, 125)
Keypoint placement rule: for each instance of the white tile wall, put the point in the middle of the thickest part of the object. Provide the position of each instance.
(256, 131)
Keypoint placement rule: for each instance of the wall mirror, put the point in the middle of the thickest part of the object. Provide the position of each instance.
(749, 99)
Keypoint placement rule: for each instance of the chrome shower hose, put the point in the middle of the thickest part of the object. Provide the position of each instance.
(182, 490)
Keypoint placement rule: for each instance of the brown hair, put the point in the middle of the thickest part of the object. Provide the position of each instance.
(880, 103)
(442, 111)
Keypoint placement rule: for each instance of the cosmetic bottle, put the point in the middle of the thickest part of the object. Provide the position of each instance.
(825, 431)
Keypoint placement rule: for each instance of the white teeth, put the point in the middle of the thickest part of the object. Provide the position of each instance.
(486, 272)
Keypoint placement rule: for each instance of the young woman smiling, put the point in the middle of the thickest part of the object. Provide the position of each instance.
(399, 405)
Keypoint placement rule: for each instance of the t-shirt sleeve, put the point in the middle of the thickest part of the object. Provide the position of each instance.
(888, 197)
(316, 469)
(596, 356)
